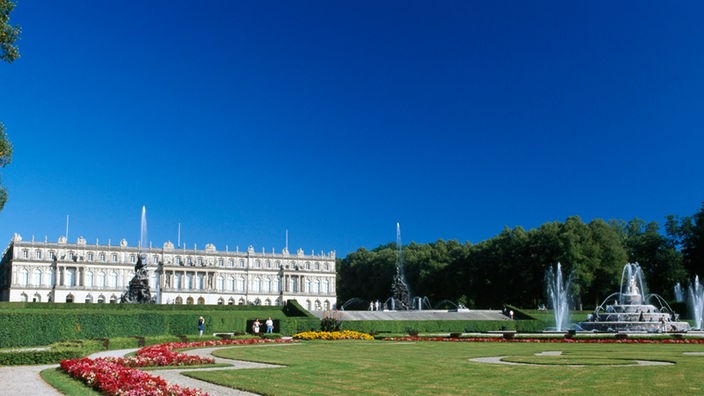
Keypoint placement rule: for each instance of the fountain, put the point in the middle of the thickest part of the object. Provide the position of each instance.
(679, 293)
(696, 302)
(631, 309)
(557, 291)
(401, 294)
(138, 289)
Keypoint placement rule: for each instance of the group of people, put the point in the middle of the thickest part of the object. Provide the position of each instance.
(255, 325)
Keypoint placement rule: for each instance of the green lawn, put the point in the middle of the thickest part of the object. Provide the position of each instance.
(444, 368)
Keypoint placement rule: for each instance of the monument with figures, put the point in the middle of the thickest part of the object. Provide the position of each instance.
(138, 289)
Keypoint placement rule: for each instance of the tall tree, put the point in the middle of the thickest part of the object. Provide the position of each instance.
(692, 231)
(8, 53)
(8, 33)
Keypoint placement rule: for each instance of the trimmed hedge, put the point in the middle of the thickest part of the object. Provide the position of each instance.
(31, 324)
(429, 326)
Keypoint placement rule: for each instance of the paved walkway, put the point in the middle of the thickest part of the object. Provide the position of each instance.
(25, 380)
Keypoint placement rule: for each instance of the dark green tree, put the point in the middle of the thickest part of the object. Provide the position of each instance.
(8, 52)
(8, 34)
(692, 232)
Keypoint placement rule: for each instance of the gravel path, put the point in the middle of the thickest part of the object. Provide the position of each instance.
(25, 380)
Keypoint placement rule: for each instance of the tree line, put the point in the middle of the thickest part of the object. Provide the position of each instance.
(510, 267)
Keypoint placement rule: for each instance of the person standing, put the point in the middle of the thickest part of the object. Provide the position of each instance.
(255, 326)
(269, 325)
(201, 326)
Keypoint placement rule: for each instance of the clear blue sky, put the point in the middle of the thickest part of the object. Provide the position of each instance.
(335, 120)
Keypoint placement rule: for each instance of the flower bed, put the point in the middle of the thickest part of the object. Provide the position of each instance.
(332, 335)
(556, 340)
(117, 376)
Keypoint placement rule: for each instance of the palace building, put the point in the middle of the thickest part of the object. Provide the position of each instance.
(79, 272)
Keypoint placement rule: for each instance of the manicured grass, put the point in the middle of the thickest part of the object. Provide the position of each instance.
(444, 368)
(65, 384)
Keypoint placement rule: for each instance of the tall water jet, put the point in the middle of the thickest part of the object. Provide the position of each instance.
(138, 289)
(696, 302)
(399, 289)
(679, 293)
(558, 293)
(143, 232)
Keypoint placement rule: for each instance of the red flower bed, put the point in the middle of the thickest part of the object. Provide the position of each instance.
(112, 378)
(556, 340)
(115, 376)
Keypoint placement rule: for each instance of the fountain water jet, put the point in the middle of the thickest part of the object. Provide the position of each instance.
(696, 302)
(679, 293)
(558, 293)
(401, 294)
(138, 289)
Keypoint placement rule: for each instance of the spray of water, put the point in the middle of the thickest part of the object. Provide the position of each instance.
(696, 302)
(679, 293)
(557, 291)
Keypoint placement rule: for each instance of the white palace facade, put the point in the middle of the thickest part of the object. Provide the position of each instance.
(85, 273)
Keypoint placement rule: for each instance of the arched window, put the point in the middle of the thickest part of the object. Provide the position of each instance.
(240, 283)
(316, 287)
(51, 278)
(189, 282)
(307, 285)
(267, 285)
(199, 281)
(24, 297)
(38, 254)
(241, 301)
(101, 299)
(178, 280)
(308, 305)
(189, 301)
(201, 300)
(69, 298)
(24, 277)
(36, 277)
(231, 301)
(256, 284)
(101, 279)
(179, 300)
(89, 279)
(221, 301)
(101, 256)
(70, 277)
(37, 297)
(89, 299)
(230, 283)
(113, 299)
(326, 287)
(112, 279)
(220, 283)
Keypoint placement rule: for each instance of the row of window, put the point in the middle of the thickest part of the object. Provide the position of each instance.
(178, 260)
(186, 281)
(101, 299)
